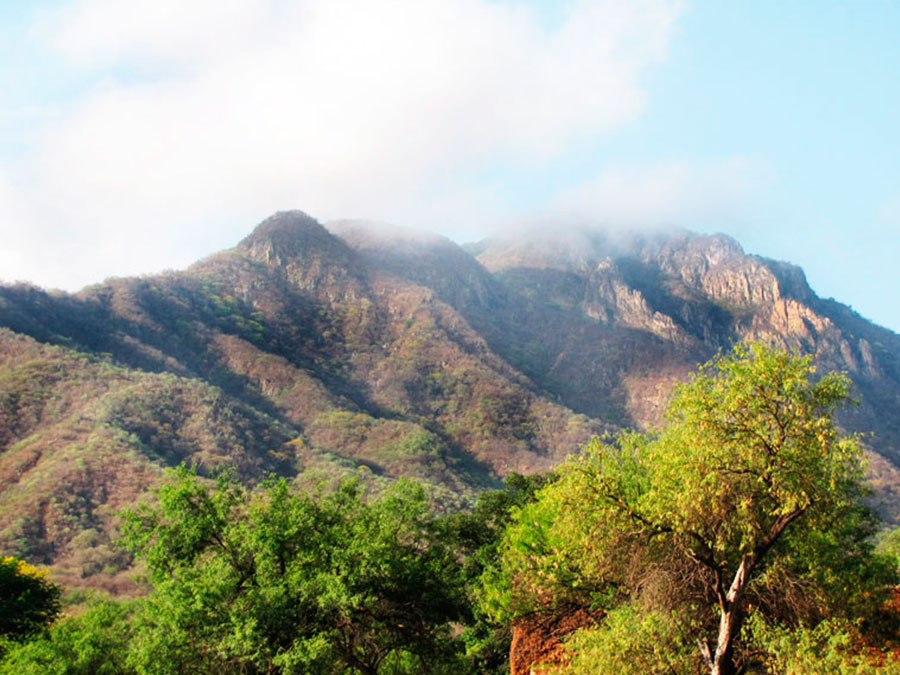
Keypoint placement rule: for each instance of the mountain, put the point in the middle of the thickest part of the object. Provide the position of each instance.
(311, 352)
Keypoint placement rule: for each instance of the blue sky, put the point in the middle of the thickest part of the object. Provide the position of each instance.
(137, 136)
(810, 91)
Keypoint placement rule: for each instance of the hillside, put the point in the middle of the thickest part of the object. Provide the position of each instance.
(307, 351)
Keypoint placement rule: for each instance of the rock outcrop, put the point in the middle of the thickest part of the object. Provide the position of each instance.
(382, 352)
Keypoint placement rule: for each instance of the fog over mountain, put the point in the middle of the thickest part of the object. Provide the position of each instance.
(309, 351)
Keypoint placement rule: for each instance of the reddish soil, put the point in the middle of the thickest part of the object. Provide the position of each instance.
(539, 641)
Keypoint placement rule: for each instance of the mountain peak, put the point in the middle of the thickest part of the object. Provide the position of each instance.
(306, 349)
(294, 238)
(284, 229)
(310, 256)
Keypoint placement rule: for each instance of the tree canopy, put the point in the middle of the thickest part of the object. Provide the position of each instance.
(287, 582)
(731, 541)
(28, 601)
(746, 503)
(278, 580)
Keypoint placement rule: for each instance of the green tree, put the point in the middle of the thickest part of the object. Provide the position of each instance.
(633, 641)
(278, 582)
(476, 535)
(747, 501)
(92, 642)
(28, 601)
(832, 647)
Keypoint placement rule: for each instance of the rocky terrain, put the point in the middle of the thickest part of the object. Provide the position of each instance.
(313, 352)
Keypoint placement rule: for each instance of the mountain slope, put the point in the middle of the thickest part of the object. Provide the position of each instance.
(290, 353)
(378, 351)
(695, 294)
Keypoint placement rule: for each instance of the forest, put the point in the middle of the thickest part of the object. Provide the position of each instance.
(734, 539)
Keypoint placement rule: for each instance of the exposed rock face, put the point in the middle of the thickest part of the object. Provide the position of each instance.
(608, 298)
(695, 294)
(385, 352)
(538, 643)
(716, 267)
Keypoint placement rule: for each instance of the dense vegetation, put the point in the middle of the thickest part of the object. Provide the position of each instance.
(271, 580)
(378, 355)
(732, 541)
(28, 600)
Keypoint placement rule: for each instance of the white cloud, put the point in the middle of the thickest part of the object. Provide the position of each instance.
(711, 194)
(211, 114)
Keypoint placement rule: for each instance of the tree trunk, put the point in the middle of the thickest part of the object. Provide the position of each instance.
(721, 662)
(723, 658)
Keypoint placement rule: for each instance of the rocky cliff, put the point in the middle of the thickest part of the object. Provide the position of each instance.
(309, 351)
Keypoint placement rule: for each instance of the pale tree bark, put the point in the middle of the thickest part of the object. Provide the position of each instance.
(720, 661)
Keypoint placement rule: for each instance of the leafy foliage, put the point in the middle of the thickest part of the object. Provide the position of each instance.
(28, 601)
(833, 646)
(94, 642)
(294, 583)
(633, 641)
(279, 582)
(476, 535)
(747, 502)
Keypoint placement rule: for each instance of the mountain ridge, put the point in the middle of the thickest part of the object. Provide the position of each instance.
(310, 350)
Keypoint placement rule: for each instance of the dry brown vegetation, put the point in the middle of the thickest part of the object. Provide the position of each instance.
(300, 352)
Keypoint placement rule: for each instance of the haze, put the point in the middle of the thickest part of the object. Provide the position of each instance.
(138, 136)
